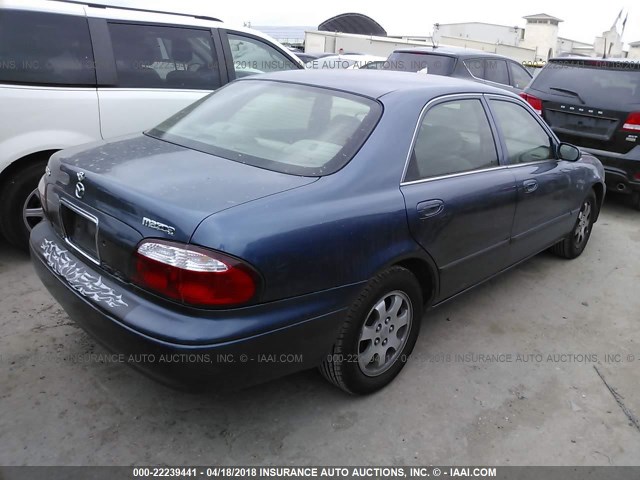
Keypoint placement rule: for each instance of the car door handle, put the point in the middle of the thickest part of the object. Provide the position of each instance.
(430, 208)
(530, 186)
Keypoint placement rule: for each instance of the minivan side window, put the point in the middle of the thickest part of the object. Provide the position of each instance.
(453, 137)
(45, 49)
(151, 56)
(251, 56)
(524, 137)
(496, 71)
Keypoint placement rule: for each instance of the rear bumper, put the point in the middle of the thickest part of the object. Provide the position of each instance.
(224, 349)
(620, 169)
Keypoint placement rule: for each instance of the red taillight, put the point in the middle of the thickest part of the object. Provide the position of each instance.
(535, 102)
(633, 123)
(193, 275)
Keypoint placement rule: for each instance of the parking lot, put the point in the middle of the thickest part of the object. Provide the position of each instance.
(504, 375)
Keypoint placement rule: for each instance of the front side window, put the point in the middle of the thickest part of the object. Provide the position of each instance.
(524, 137)
(251, 56)
(454, 137)
(150, 56)
(283, 127)
(45, 49)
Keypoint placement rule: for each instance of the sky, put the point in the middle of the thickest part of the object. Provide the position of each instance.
(583, 20)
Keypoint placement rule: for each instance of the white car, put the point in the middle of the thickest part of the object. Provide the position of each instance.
(343, 62)
(74, 72)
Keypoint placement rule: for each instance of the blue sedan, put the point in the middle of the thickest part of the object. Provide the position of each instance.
(305, 219)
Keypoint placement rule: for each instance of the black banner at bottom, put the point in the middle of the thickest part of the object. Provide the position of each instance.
(326, 472)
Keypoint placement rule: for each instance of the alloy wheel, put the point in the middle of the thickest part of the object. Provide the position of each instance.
(384, 333)
(32, 211)
(584, 223)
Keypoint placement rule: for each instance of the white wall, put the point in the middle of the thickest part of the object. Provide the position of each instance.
(634, 53)
(333, 42)
(480, 32)
(384, 46)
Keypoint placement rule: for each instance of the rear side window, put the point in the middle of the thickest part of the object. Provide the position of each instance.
(45, 49)
(496, 71)
(476, 67)
(150, 56)
(454, 137)
(288, 128)
(594, 83)
(416, 62)
(524, 137)
(251, 56)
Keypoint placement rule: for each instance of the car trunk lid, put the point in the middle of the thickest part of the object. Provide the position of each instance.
(104, 198)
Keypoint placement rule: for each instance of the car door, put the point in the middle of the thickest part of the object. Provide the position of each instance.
(460, 199)
(247, 54)
(544, 183)
(148, 72)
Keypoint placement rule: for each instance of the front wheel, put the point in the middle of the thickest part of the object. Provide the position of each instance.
(378, 334)
(574, 244)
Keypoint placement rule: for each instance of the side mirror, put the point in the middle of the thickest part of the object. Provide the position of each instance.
(568, 152)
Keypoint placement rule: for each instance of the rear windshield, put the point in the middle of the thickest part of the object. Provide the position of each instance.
(415, 62)
(283, 127)
(594, 82)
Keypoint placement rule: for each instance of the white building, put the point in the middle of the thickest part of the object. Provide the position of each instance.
(634, 50)
(538, 40)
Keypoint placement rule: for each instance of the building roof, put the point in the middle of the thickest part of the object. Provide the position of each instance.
(353, 23)
(542, 16)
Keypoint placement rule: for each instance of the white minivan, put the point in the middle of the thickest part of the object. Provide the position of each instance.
(74, 72)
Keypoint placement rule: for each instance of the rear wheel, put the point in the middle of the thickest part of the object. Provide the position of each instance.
(574, 244)
(20, 207)
(378, 334)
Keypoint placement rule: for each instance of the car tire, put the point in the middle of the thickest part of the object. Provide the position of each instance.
(19, 187)
(574, 244)
(395, 294)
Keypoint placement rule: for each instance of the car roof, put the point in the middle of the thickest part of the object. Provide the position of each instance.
(113, 11)
(450, 51)
(377, 83)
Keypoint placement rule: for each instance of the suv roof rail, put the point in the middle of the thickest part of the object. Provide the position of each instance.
(136, 9)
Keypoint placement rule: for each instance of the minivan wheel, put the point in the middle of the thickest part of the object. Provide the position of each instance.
(378, 334)
(20, 208)
(574, 244)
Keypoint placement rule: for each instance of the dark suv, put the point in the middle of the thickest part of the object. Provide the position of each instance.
(595, 104)
(476, 65)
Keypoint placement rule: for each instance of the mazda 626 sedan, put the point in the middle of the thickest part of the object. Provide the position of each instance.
(305, 219)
